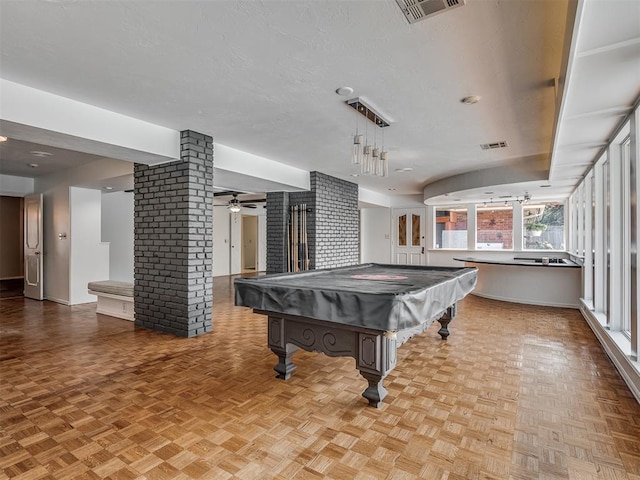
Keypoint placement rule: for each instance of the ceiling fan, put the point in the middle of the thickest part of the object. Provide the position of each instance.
(235, 205)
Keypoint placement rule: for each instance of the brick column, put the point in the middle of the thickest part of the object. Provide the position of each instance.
(277, 212)
(332, 224)
(336, 222)
(173, 240)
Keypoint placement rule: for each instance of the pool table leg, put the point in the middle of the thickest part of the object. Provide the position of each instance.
(449, 315)
(375, 392)
(285, 366)
(278, 345)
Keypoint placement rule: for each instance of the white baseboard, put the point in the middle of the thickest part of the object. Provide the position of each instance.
(528, 302)
(628, 368)
(57, 300)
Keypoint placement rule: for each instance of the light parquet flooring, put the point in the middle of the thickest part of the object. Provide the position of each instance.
(515, 393)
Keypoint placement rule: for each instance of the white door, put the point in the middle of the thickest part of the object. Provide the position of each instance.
(33, 261)
(409, 232)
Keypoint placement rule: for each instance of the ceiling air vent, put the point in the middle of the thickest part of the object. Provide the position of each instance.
(417, 10)
(494, 145)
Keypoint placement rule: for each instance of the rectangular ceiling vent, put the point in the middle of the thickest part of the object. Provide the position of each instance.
(494, 145)
(417, 10)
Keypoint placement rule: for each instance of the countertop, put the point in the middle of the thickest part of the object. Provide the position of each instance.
(555, 262)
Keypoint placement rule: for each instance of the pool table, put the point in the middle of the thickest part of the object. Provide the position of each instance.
(364, 311)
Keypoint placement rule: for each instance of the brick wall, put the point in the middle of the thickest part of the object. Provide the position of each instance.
(173, 240)
(495, 226)
(277, 212)
(336, 221)
(332, 223)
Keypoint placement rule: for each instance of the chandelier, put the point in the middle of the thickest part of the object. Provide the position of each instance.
(370, 158)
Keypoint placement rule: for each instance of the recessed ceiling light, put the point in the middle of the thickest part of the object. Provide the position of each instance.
(344, 91)
(355, 174)
(471, 99)
(34, 165)
(107, 188)
(405, 169)
(545, 186)
(37, 153)
(3, 138)
(488, 193)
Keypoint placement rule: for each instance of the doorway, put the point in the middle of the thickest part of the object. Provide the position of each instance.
(249, 243)
(409, 233)
(11, 247)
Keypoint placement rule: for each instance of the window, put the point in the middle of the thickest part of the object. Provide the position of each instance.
(402, 231)
(451, 227)
(543, 226)
(494, 228)
(630, 236)
(415, 230)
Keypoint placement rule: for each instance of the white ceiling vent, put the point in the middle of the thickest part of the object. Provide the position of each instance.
(417, 10)
(494, 145)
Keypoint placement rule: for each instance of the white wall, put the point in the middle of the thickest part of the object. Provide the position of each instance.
(13, 186)
(42, 117)
(375, 235)
(56, 250)
(56, 219)
(221, 239)
(262, 241)
(117, 230)
(89, 257)
(236, 242)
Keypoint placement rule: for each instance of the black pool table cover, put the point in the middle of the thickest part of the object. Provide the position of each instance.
(380, 297)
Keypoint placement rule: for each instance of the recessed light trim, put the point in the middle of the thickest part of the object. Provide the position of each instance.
(344, 91)
(38, 153)
(403, 170)
(545, 186)
(3, 138)
(471, 99)
(33, 165)
(107, 188)
(488, 193)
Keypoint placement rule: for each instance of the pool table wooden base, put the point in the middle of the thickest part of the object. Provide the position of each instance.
(373, 350)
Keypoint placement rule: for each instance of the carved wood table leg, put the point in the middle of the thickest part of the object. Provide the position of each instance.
(279, 346)
(285, 365)
(375, 392)
(376, 357)
(449, 315)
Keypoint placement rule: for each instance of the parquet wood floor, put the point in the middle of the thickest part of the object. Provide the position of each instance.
(515, 393)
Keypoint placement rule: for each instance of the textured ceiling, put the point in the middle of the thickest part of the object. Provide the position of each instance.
(261, 76)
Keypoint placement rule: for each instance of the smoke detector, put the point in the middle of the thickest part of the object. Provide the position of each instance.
(418, 10)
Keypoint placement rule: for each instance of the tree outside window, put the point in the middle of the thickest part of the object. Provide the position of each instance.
(543, 226)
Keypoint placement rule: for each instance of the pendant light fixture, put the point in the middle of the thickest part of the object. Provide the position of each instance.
(372, 160)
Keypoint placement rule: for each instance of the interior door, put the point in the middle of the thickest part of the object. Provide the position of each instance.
(33, 261)
(409, 233)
